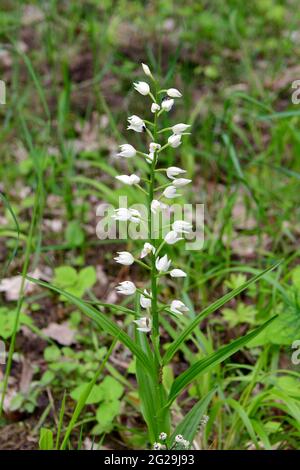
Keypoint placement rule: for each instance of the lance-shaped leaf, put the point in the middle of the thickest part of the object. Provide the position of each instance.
(212, 360)
(103, 321)
(207, 311)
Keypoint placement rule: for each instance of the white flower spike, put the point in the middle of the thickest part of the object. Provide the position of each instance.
(162, 264)
(174, 140)
(172, 237)
(130, 180)
(178, 307)
(181, 226)
(142, 88)
(167, 104)
(181, 182)
(127, 151)
(126, 288)
(177, 273)
(170, 192)
(144, 324)
(148, 248)
(124, 258)
(146, 70)
(136, 124)
(174, 171)
(180, 128)
(145, 302)
(155, 108)
(174, 93)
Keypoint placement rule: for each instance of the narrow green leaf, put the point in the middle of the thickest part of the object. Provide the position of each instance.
(208, 310)
(189, 425)
(212, 360)
(46, 439)
(102, 320)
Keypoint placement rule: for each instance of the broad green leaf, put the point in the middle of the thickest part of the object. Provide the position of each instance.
(189, 425)
(87, 277)
(212, 360)
(74, 233)
(46, 439)
(65, 276)
(207, 311)
(103, 321)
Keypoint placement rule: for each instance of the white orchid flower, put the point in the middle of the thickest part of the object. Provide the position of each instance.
(144, 324)
(142, 88)
(174, 140)
(148, 248)
(146, 70)
(127, 151)
(124, 258)
(126, 288)
(155, 108)
(154, 146)
(174, 93)
(145, 301)
(136, 123)
(178, 307)
(129, 179)
(181, 226)
(170, 192)
(174, 171)
(172, 237)
(167, 104)
(162, 264)
(177, 273)
(179, 182)
(180, 128)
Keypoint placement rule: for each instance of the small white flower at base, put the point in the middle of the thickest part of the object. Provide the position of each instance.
(177, 273)
(155, 108)
(180, 128)
(162, 264)
(123, 214)
(157, 446)
(145, 302)
(179, 438)
(170, 192)
(142, 87)
(167, 104)
(148, 248)
(179, 182)
(174, 171)
(146, 70)
(126, 288)
(186, 444)
(181, 226)
(174, 93)
(144, 324)
(129, 179)
(174, 140)
(172, 237)
(157, 205)
(127, 151)
(154, 146)
(124, 258)
(178, 307)
(136, 124)
(163, 436)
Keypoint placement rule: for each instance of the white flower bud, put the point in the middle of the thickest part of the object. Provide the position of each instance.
(174, 93)
(136, 123)
(144, 324)
(148, 248)
(132, 179)
(181, 226)
(179, 438)
(173, 171)
(126, 288)
(127, 151)
(154, 146)
(123, 214)
(170, 192)
(167, 104)
(124, 258)
(145, 302)
(180, 128)
(162, 264)
(163, 436)
(146, 70)
(142, 87)
(172, 237)
(174, 140)
(177, 273)
(150, 157)
(181, 182)
(157, 205)
(178, 307)
(155, 108)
